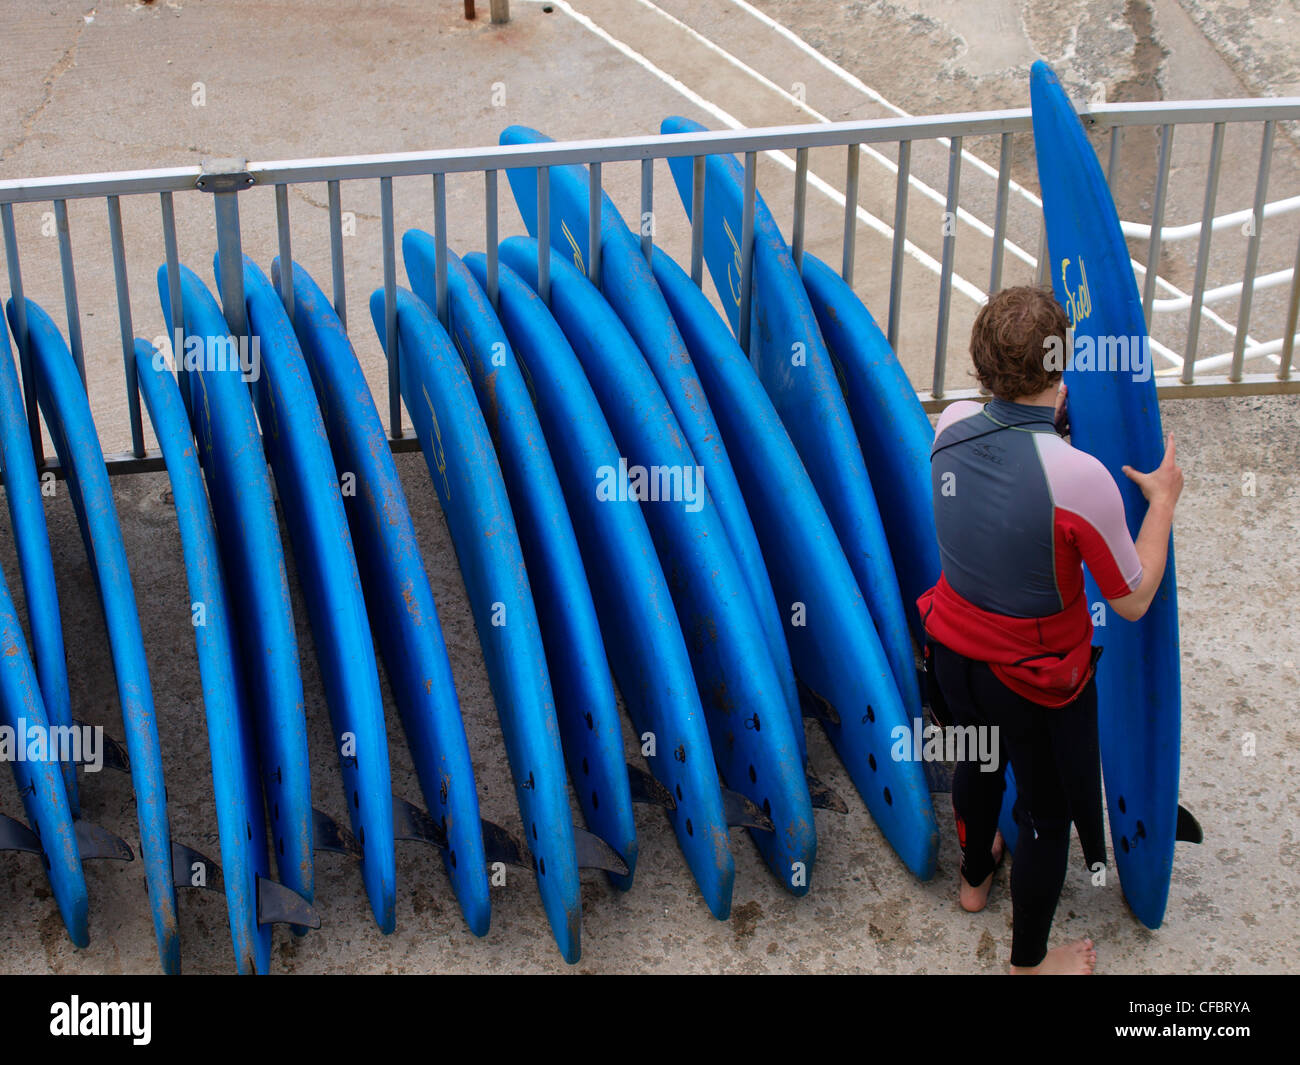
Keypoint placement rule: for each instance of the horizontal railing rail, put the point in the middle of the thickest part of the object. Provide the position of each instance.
(227, 179)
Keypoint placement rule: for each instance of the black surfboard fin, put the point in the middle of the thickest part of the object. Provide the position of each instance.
(741, 812)
(813, 705)
(16, 836)
(938, 775)
(277, 904)
(114, 753)
(194, 870)
(646, 789)
(94, 842)
(500, 846)
(1188, 829)
(412, 823)
(595, 853)
(822, 795)
(333, 837)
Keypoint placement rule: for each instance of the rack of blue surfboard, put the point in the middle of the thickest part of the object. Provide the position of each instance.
(782, 587)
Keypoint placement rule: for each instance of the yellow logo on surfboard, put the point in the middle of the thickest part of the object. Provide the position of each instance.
(1077, 301)
(439, 455)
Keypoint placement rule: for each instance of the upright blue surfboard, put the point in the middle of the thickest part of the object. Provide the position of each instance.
(308, 484)
(1114, 415)
(744, 705)
(67, 416)
(629, 288)
(585, 704)
(892, 427)
(402, 610)
(792, 361)
(837, 652)
(35, 564)
(248, 533)
(236, 786)
(644, 640)
(462, 463)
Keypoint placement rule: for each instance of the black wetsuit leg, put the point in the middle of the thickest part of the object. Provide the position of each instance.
(976, 696)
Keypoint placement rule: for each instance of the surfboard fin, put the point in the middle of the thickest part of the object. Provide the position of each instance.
(1188, 829)
(822, 795)
(412, 823)
(333, 837)
(813, 705)
(96, 842)
(646, 789)
(277, 904)
(114, 753)
(741, 812)
(595, 853)
(194, 870)
(16, 836)
(500, 846)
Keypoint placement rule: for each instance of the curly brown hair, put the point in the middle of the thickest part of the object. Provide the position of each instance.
(1010, 340)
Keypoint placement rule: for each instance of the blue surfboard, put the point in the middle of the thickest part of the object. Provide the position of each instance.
(892, 427)
(462, 463)
(629, 288)
(645, 644)
(1115, 417)
(41, 784)
(67, 416)
(744, 704)
(402, 610)
(236, 787)
(585, 704)
(248, 534)
(35, 564)
(836, 650)
(792, 361)
(308, 485)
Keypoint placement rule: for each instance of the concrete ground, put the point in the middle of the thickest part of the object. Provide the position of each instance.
(123, 85)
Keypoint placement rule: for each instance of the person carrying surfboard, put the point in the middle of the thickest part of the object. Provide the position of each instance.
(1018, 512)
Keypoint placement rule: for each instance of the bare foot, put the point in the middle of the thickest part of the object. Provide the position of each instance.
(1072, 959)
(974, 899)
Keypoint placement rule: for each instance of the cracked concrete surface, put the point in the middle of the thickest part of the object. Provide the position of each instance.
(115, 90)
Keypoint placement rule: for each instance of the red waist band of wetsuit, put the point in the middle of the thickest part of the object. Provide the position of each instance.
(1046, 660)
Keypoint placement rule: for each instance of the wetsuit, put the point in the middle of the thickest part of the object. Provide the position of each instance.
(1017, 511)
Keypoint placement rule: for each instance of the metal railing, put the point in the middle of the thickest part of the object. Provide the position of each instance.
(227, 180)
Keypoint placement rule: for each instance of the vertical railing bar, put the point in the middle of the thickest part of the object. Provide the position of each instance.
(490, 234)
(544, 234)
(75, 343)
(1292, 314)
(440, 248)
(1157, 220)
(800, 206)
(1203, 253)
(20, 330)
(1252, 251)
(391, 340)
(648, 209)
(167, 210)
(900, 242)
(1112, 164)
(285, 246)
(850, 211)
(697, 221)
(125, 326)
(945, 280)
(593, 224)
(336, 253)
(747, 249)
(230, 263)
(1000, 214)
